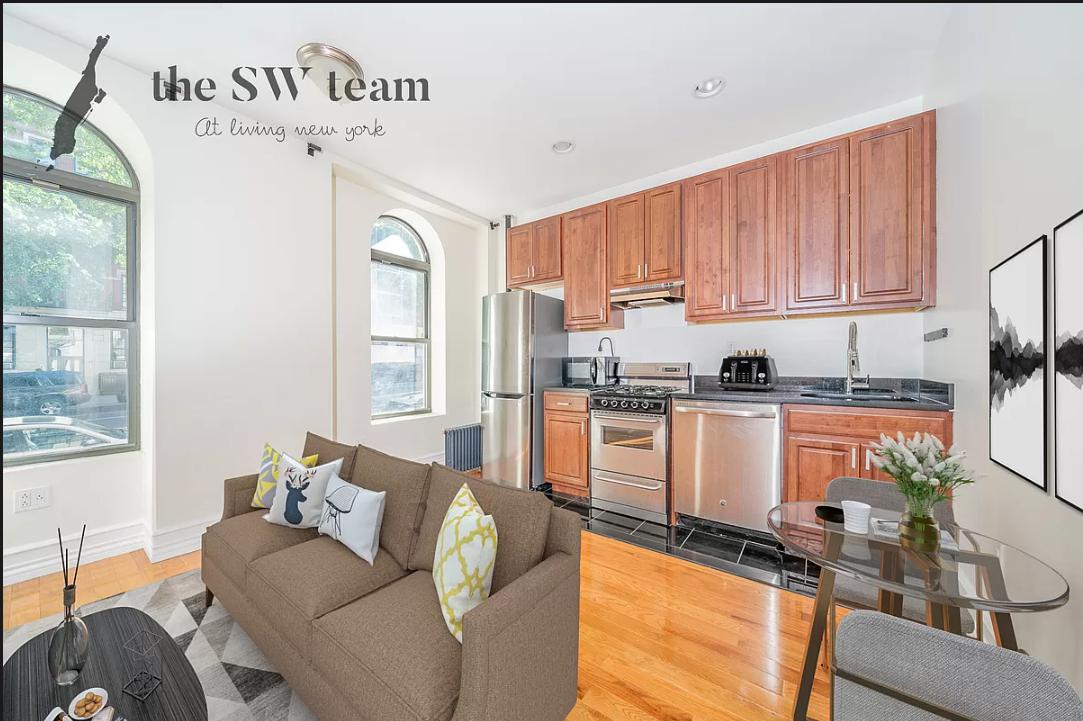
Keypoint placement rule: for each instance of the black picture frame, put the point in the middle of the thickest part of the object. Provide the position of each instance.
(1043, 484)
(1057, 430)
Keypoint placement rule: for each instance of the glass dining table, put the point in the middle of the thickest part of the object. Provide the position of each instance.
(968, 571)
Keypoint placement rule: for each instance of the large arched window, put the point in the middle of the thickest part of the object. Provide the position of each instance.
(71, 329)
(401, 356)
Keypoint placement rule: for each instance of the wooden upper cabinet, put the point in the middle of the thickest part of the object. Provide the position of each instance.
(751, 237)
(815, 197)
(586, 279)
(534, 253)
(662, 244)
(888, 178)
(626, 220)
(520, 248)
(645, 237)
(705, 212)
(547, 255)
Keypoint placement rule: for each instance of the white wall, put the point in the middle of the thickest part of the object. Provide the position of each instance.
(1007, 88)
(890, 344)
(236, 244)
(459, 280)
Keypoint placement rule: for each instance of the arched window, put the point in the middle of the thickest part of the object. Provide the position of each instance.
(71, 333)
(401, 356)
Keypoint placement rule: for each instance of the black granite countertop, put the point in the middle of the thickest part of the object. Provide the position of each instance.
(922, 394)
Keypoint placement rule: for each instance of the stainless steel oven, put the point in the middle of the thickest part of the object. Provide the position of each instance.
(628, 464)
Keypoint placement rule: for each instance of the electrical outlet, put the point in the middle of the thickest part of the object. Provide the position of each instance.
(40, 497)
(23, 500)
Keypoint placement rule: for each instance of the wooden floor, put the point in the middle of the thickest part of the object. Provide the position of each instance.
(40, 597)
(661, 639)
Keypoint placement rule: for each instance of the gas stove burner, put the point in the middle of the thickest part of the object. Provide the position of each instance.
(634, 390)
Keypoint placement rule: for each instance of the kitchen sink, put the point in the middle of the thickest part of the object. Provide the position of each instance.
(870, 395)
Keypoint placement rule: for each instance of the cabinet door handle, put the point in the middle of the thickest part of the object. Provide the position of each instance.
(854, 296)
(601, 312)
(639, 271)
(723, 302)
(868, 460)
(733, 301)
(563, 403)
(582, 428)
(853, 458)
(843, 292)
(646, 270)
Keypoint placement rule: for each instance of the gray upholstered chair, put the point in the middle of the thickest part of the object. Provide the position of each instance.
(878, 494)
(889, 669)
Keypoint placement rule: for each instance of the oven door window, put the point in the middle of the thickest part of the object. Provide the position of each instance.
(641, 439)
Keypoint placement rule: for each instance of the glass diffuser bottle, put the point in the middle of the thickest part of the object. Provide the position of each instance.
(69, 643)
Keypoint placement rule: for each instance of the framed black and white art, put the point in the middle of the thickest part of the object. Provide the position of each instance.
(1017, 397)
(1068, 358)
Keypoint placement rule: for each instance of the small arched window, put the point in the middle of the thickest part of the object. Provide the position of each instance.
(401, 355)
(71, 324)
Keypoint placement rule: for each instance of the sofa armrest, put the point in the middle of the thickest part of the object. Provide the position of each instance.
(520, 655)
(238, 495)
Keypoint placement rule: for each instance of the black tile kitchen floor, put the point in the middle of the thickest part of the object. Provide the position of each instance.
(743, 553)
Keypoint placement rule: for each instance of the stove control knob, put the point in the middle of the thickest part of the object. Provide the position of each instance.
(603, 402)
(763, 375)
(726, 374)
(635, 404)
(624, 404)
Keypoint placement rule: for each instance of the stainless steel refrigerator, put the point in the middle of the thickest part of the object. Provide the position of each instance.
(522, 343)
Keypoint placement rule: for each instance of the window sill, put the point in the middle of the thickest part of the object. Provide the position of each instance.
(26, 464)
(403, 419)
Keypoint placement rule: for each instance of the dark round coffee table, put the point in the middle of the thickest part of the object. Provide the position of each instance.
(30, 692)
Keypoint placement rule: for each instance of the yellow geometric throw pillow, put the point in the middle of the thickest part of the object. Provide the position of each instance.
(465, 555)
(267, 481)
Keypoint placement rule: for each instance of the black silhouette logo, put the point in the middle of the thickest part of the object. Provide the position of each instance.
(80, 103)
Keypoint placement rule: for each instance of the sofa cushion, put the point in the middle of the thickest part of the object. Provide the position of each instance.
(390, 653)
(405, 483)
(521, 517)
(329, 450)
(235, 542)
(293, 587)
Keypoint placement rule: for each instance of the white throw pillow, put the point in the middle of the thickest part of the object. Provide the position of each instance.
(465, 556)
(298, 500)
(352, 516)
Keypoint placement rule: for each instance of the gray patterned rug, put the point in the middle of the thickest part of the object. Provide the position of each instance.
(240, 683)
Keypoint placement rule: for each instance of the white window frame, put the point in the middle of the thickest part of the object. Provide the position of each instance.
(425, 267)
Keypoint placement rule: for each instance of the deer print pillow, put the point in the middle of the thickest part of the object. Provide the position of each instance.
(298, 499)
(352, 516)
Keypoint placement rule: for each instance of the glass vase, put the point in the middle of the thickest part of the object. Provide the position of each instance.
(69, 644)
(918, 529)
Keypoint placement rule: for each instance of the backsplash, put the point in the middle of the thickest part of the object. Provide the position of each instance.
(890, 344)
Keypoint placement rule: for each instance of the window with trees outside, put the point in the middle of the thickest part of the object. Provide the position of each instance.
(400, 320)
(70, 312)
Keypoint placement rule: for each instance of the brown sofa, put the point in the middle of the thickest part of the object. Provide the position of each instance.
(369, 642)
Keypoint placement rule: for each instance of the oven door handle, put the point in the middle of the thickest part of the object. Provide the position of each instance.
(628, 419)
(609, 479)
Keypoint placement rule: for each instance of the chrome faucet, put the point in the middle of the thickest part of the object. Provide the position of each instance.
(603, 340)
(853, 364)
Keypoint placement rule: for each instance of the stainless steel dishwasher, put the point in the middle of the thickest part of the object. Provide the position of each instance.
(727, 461)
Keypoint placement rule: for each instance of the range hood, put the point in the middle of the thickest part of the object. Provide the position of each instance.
(645, 296)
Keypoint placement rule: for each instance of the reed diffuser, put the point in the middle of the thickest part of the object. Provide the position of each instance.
(69, 643)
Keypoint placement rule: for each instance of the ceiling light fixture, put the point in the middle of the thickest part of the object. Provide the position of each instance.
(709, 87)
(323, 59)
(562, 147)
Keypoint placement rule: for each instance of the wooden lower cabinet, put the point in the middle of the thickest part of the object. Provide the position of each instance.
(567, 444)
(825, 442)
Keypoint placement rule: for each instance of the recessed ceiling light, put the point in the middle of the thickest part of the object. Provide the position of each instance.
(709, 87)
(562, 147)
(325, 59)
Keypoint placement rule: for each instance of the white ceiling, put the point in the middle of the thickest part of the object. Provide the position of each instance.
(507, 81)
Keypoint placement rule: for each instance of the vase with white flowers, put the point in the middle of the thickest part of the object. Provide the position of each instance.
(925, 473)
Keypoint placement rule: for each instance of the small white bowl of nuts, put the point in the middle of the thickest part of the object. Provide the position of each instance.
(88, 703)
